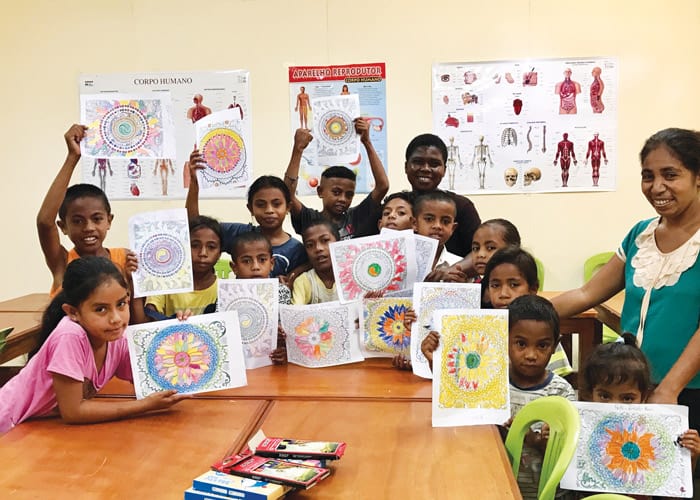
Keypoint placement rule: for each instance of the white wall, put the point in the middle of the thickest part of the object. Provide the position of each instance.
(45, 45)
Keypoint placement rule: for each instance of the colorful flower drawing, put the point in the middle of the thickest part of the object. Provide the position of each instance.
(182, 358)
(379, 265)
(631, 449)
(469, 361)
(314, 338)
(201, 354)
(391, 327)
(629, 453)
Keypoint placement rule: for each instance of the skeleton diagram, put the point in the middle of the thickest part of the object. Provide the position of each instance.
(565, 150)
(102, 164)
(596, 148)
(451, 164)
(482, 153)
(509, 137)
(163, 165)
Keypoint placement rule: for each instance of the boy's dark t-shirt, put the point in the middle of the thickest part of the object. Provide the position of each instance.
(360, 220)
(467, 222)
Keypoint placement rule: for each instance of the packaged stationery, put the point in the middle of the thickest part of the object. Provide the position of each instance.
(272, 470)
(229, 486)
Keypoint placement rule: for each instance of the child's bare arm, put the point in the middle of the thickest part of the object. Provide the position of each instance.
(381, 181)
(691, 440)
(76, 410)
(49, 239)
(192, 202)
(409, 318)
(279, 355)
(402, 362)
(302, 138)
(428, 346)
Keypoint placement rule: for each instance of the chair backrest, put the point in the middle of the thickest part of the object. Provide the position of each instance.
(540, 272)
(594, 263)
(564, 424)
(222, 268)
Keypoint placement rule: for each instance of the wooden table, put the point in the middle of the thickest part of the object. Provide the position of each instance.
(609, 312)
(153, 456)
(34, 302)
(23, 338)
(393, 452)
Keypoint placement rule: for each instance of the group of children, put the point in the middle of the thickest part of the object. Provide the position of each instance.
(82, 344)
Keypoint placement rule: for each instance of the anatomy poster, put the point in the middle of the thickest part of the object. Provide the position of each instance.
(161, 240)
(201, 354)
(193, 96)
(385, 262)
(321, 335)
(256, 301)
(382, 330)
(127, 126)
(532, 125)
(631, 449)
(368, 82)
(470, 385)
(220, 140)
(431, 297)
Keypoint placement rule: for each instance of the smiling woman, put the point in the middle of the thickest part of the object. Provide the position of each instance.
(657, 265)
(426, 156)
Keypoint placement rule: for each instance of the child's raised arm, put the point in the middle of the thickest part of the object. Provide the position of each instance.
(302, 138)
(192, 202)
(76, 410)
(49, 239)
(381, 181)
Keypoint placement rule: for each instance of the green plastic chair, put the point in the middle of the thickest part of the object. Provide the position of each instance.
(540, 272)
(564, 425)
(608, 496)
(222, 268)
(590, 267)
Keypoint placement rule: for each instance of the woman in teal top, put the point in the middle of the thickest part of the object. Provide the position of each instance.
(657, 265)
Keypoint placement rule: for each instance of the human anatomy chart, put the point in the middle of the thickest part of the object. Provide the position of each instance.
(256, 301)
(334, 130)
(307, 83)
(431, 297)
(220, 140)
(385, 263)
(319, 335)
(161, 170)
(382, 330)
(470, 382)
(161, 239)
(537, 125)
(631, 449)
(198, 355)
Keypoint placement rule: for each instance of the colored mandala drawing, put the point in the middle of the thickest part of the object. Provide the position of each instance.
(320, 334)
(257, 303)
(221, 141)
(630, 449)
(473, 369)
(333, 126)
(372, 263)
(431, 297)
(124, 127)
(161, 241)
(194, 356)
(383, 329)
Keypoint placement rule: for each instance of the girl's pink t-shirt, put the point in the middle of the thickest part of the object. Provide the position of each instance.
(67, 351)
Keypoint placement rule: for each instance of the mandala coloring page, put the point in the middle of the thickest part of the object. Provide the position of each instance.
(382, 331)
(257, 303)
(425, 249)
(127, 126)
(470, 386)
(428, 298)
(334, 129)
(220, 139)
(161, 240)
(201, 354)
(385, 262)
(321, 335)
(631, 449)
